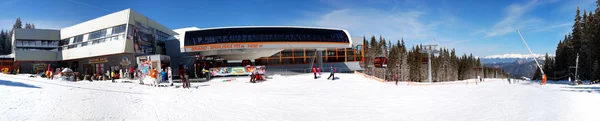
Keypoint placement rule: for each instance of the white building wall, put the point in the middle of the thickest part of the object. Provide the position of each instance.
(106, 48)
(92, 50)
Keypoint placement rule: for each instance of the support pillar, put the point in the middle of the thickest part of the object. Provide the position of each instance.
(319, 59)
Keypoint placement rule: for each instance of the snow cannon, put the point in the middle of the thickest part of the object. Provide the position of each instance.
(544, 78)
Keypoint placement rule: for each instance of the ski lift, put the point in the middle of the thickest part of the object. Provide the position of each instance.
(246, 62)
(381, 62)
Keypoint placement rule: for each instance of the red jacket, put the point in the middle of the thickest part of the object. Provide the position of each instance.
(314, 70)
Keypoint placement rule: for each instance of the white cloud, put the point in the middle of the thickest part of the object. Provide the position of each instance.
(513, 19)
(548, 28)
(409, 25)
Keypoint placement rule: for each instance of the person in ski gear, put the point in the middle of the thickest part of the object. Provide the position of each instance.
(112, 76)
(153, 76)
(131, 72)
(181, 75)
(253, 77)
(314, 69)
(319, 71)
(187, 76)
(396, 78)
(332, 73)
(207, 72)
(170, 75)
(164, 76)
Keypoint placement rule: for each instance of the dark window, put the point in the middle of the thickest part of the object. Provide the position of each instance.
(232, 35)
(77, 39)
(96, 34)
(64, 41)
(118, 29)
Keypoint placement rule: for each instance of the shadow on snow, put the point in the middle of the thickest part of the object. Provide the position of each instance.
(582, 89)
(16, 84)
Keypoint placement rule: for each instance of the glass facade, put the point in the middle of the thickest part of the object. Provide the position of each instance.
(37, 45)
(303, 56)
(117, 33)
(266, 34)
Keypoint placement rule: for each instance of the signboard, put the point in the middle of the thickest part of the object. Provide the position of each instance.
(39, 67)
(222, 46)
(125, 61)
(228, 71)
(98, 60)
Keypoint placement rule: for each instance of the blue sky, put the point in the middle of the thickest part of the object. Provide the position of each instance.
(481, 27)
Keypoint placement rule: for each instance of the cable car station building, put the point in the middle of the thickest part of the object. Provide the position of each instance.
(118, 40)
(278, 47)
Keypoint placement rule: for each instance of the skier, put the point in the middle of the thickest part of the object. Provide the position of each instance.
(396, 78)
(332, 74)
(181, 75)
(112, 76)
(319, 71)
(314, 69)
(187, 77)
(509, 81)
(153, 76)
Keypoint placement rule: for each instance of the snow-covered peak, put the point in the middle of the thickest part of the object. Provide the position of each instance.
(516, 56)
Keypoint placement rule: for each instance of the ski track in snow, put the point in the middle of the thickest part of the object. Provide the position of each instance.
(299, 97)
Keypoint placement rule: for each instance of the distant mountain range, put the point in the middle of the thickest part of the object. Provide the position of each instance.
(518, 65)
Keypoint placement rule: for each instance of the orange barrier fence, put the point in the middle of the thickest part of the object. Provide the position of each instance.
(369, 76)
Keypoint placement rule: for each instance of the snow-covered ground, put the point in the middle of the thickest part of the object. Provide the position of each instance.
(299, 97)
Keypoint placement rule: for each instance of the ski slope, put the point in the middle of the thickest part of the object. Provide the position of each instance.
(299, 97)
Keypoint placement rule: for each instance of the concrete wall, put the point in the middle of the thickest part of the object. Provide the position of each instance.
(37, 34)
(24, 55)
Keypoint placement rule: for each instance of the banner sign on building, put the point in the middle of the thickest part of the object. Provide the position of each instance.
(222, 46)
(143, 38)
(98, 60)
(228, 71)
(125, 61)
(39, 67)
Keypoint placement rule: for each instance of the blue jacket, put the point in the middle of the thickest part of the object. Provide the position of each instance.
(332, 70)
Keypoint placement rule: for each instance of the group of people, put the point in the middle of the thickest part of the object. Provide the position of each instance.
(164, 76)
(254, 76)
(332, 71)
